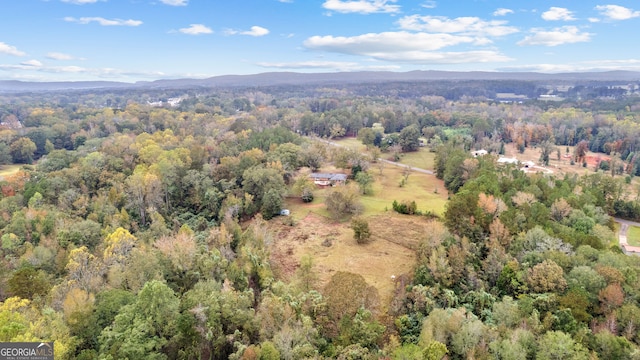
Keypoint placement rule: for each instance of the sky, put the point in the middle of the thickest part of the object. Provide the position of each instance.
(144, 40)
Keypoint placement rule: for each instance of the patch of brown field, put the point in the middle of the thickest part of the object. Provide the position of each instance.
(391, 251)
(559, 167)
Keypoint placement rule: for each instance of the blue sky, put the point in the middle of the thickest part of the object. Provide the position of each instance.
(132, 40)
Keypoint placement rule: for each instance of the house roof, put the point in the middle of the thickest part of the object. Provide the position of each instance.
(329, 176)
(631, 249)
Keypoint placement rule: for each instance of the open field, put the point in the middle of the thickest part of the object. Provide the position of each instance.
(6, 170)
(350, 142)
(423, 159)
(427, 191)
(562, 166)
(395, 237)
(633, 236)
(332, 247)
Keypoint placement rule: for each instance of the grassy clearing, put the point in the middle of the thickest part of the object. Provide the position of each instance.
(394, 240)
(351, 143)
(423, 159)
(332, 247)
(633, 236)
(7, 170)
(427, 191)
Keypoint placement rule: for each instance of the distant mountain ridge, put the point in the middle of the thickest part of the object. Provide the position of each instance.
(294, 78)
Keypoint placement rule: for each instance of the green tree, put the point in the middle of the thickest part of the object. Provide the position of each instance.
(363, 329)
(361, 232)
(410, 138)
(5, 154)
(367, 136)
(259, 181)
(546, 148)
(556, 345)
(345, 294)
(144, 328)
(613, 347)
(365, 181)
(22, 150)
(546, 277)
(268, 351)
(271, 204)
(343, 201)
(29, 283)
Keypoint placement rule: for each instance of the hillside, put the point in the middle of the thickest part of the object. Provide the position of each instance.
(292, 78)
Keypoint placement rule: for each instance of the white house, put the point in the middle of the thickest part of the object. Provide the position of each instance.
(480, 152)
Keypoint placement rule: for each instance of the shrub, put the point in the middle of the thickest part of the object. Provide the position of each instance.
(405, 207)
(361, 231)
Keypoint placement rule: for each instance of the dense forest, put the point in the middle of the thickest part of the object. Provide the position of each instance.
(135, 227)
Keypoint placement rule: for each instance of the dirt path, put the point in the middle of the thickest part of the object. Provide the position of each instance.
(624, 228)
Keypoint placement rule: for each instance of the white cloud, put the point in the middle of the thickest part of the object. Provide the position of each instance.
(558, 13)
(80, 2)
(593, 20)
(196, 29)
(429, 4)
(555, 37)
(462, 25)
(285, 1)
(10, 50)
(418, 48)
(463, 57)
(104, 22)
(385, 42)
(33, 62)
(175, 2)
(616, 12)
(502, 12)
(59, 56)
(255, 31)
(361, 6)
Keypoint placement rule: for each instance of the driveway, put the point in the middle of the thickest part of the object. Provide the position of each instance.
(622, 235)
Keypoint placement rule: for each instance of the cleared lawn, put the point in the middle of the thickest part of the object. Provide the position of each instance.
(633, 236)
(6, 170)
(350, 142)
(427, 191)
(423, 159)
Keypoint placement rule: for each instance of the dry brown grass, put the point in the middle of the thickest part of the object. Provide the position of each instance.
(6, 170)
(559, 167)
(391, 251)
